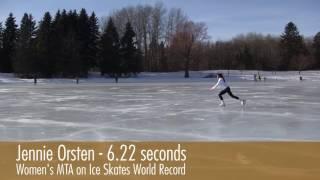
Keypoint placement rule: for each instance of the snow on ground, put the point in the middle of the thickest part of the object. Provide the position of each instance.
(161, 106)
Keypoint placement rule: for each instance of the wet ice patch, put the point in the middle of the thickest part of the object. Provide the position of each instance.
(63, 99)
(4, 90)
(46, 122)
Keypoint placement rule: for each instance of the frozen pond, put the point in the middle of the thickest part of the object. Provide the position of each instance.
(278, 110)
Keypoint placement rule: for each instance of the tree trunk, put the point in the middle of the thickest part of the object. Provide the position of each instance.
(146, 54)
(186, 68)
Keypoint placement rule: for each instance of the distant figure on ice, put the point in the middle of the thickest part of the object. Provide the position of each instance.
(300, 78)
(259, 76)
(35, 80)
(116, 78)
(222, 83)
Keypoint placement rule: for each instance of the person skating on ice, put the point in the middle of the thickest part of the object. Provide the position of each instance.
(226, 89)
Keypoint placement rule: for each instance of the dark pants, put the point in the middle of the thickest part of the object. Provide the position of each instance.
(227, 90)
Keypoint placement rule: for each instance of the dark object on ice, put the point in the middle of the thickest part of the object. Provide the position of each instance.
(35, 80)
(211, 75)
(77, 80)
(116, 78)
(300, 78)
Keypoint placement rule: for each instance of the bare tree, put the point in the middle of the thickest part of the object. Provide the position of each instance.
(153, 25)
(174, 18)
(156, 35)
(142, 26)
(185, 38)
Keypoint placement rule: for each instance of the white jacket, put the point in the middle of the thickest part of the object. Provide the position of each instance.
(220, 83)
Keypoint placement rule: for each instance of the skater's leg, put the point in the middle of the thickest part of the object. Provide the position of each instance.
(230, 94)
(222, 93)
(243, 102)
(221, 98)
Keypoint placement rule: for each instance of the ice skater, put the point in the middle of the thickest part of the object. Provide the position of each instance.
(226, 89)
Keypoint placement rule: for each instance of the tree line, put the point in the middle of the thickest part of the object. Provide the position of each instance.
(290, 51)
(68, 45)
(170, 41)
(142, 38)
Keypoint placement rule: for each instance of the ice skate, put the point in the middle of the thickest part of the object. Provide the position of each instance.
(243, 102)
(222, 104)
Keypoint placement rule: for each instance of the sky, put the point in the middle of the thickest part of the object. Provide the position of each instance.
(224, 18)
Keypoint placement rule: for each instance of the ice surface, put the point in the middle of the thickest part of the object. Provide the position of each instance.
(166, 107)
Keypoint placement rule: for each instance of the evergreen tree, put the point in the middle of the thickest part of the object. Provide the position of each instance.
(1, 35)
(71, 43)
(24, 61)
(9, 42)
(163, 58)
(1, 41)
(83, 32)
(57, 36)
(45, 47)
(316, 46)
(291, 44)
(70, 64)
(93, 40)
(110, 61)
(57, 18)
(63, 24)
(76, 43)
(131, 61)
(71, 56)
(72, 22)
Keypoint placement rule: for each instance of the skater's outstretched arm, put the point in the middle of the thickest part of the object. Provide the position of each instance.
(216, 85)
